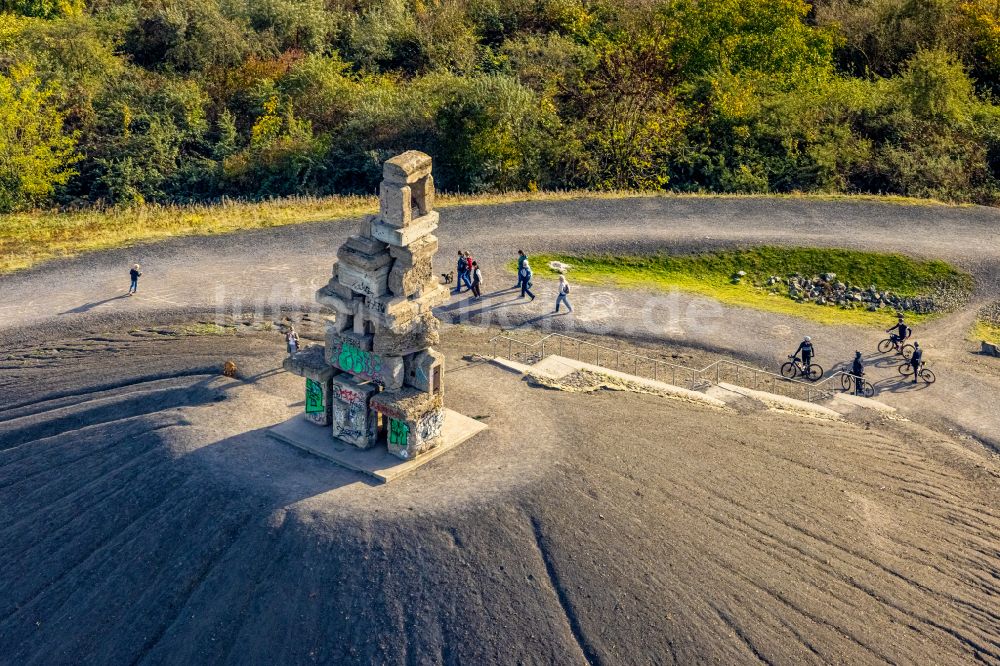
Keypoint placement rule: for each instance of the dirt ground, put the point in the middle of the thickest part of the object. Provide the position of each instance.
(146, 517)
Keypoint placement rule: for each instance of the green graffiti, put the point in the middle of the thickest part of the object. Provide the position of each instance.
(399, 432)
(354, 360)
(314, 397)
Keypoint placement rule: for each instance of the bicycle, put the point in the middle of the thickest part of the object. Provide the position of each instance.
(847, 383)
(925, 373)
(793, 368)
(889, 344)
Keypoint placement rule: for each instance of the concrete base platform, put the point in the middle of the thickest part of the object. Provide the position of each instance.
(375, 462)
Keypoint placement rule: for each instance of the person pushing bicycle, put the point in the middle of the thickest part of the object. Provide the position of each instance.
(858, 372)
(916, 360)
(900, 331)
(807, 352)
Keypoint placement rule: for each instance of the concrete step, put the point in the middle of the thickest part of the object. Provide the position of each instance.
(846, 403)
(775, 401)
(556, 367)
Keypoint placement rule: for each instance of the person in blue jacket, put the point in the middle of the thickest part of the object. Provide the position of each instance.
(524, 275)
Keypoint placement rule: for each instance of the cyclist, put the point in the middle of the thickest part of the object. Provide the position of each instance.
(900, 331)
(806, 349)
(916, 360)
(858, 371)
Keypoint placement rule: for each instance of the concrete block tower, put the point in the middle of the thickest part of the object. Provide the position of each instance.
(386, 381)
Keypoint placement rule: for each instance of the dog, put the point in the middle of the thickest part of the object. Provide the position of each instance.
(448, 278)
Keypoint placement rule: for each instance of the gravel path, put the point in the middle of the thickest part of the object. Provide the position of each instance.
(276, 270)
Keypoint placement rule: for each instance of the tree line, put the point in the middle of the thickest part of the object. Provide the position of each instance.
(130, 101)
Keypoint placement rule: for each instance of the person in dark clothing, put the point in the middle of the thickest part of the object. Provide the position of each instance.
(134, 275)
(521, 258)
(462, 273)
(900, 331)
(806, 351)
(477, 279)
(525, 275)
(858, 370)
(917, 360)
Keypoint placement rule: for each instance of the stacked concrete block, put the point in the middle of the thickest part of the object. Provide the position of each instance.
(310, 364)
(353, 421)
(383, 292)
(413, 420)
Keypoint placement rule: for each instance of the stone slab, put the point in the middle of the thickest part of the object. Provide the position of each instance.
(328, 297)
(309, 362)
(371, 284)
(407, 281)
(403, 236)
(395, 204)
(408, 167)
(350, 254)
(375, 463)
(419, 337)
(422, 248)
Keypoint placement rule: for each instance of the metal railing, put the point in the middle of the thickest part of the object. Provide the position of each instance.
(671, 373)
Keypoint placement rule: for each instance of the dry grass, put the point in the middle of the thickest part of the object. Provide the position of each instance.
(27, 239)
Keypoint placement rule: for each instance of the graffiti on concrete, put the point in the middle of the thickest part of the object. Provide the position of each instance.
(430, 425)
(399, 432)
(314, 397)
(359, 362)
(349, 396)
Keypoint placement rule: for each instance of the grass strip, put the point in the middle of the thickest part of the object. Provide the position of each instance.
(711, 274)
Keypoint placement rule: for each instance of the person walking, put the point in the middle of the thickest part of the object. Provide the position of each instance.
(521, 258)
(525, 276)
(563, 296)
(477, 280)
(462, 271)
(292, 340)
(134, 275)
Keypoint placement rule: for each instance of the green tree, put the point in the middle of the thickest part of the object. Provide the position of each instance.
(937, 87)
(43, 8)
(36, 155)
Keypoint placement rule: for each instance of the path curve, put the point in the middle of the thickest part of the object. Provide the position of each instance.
(266, 271)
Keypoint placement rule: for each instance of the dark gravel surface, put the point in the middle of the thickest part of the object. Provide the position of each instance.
(146, 518)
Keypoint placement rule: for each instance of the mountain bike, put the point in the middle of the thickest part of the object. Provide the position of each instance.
(847, 383)
(894, 343)
(793, 368)
(925, 373)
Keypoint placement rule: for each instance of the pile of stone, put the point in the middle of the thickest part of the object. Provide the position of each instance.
(825, 289)
(378, 377)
